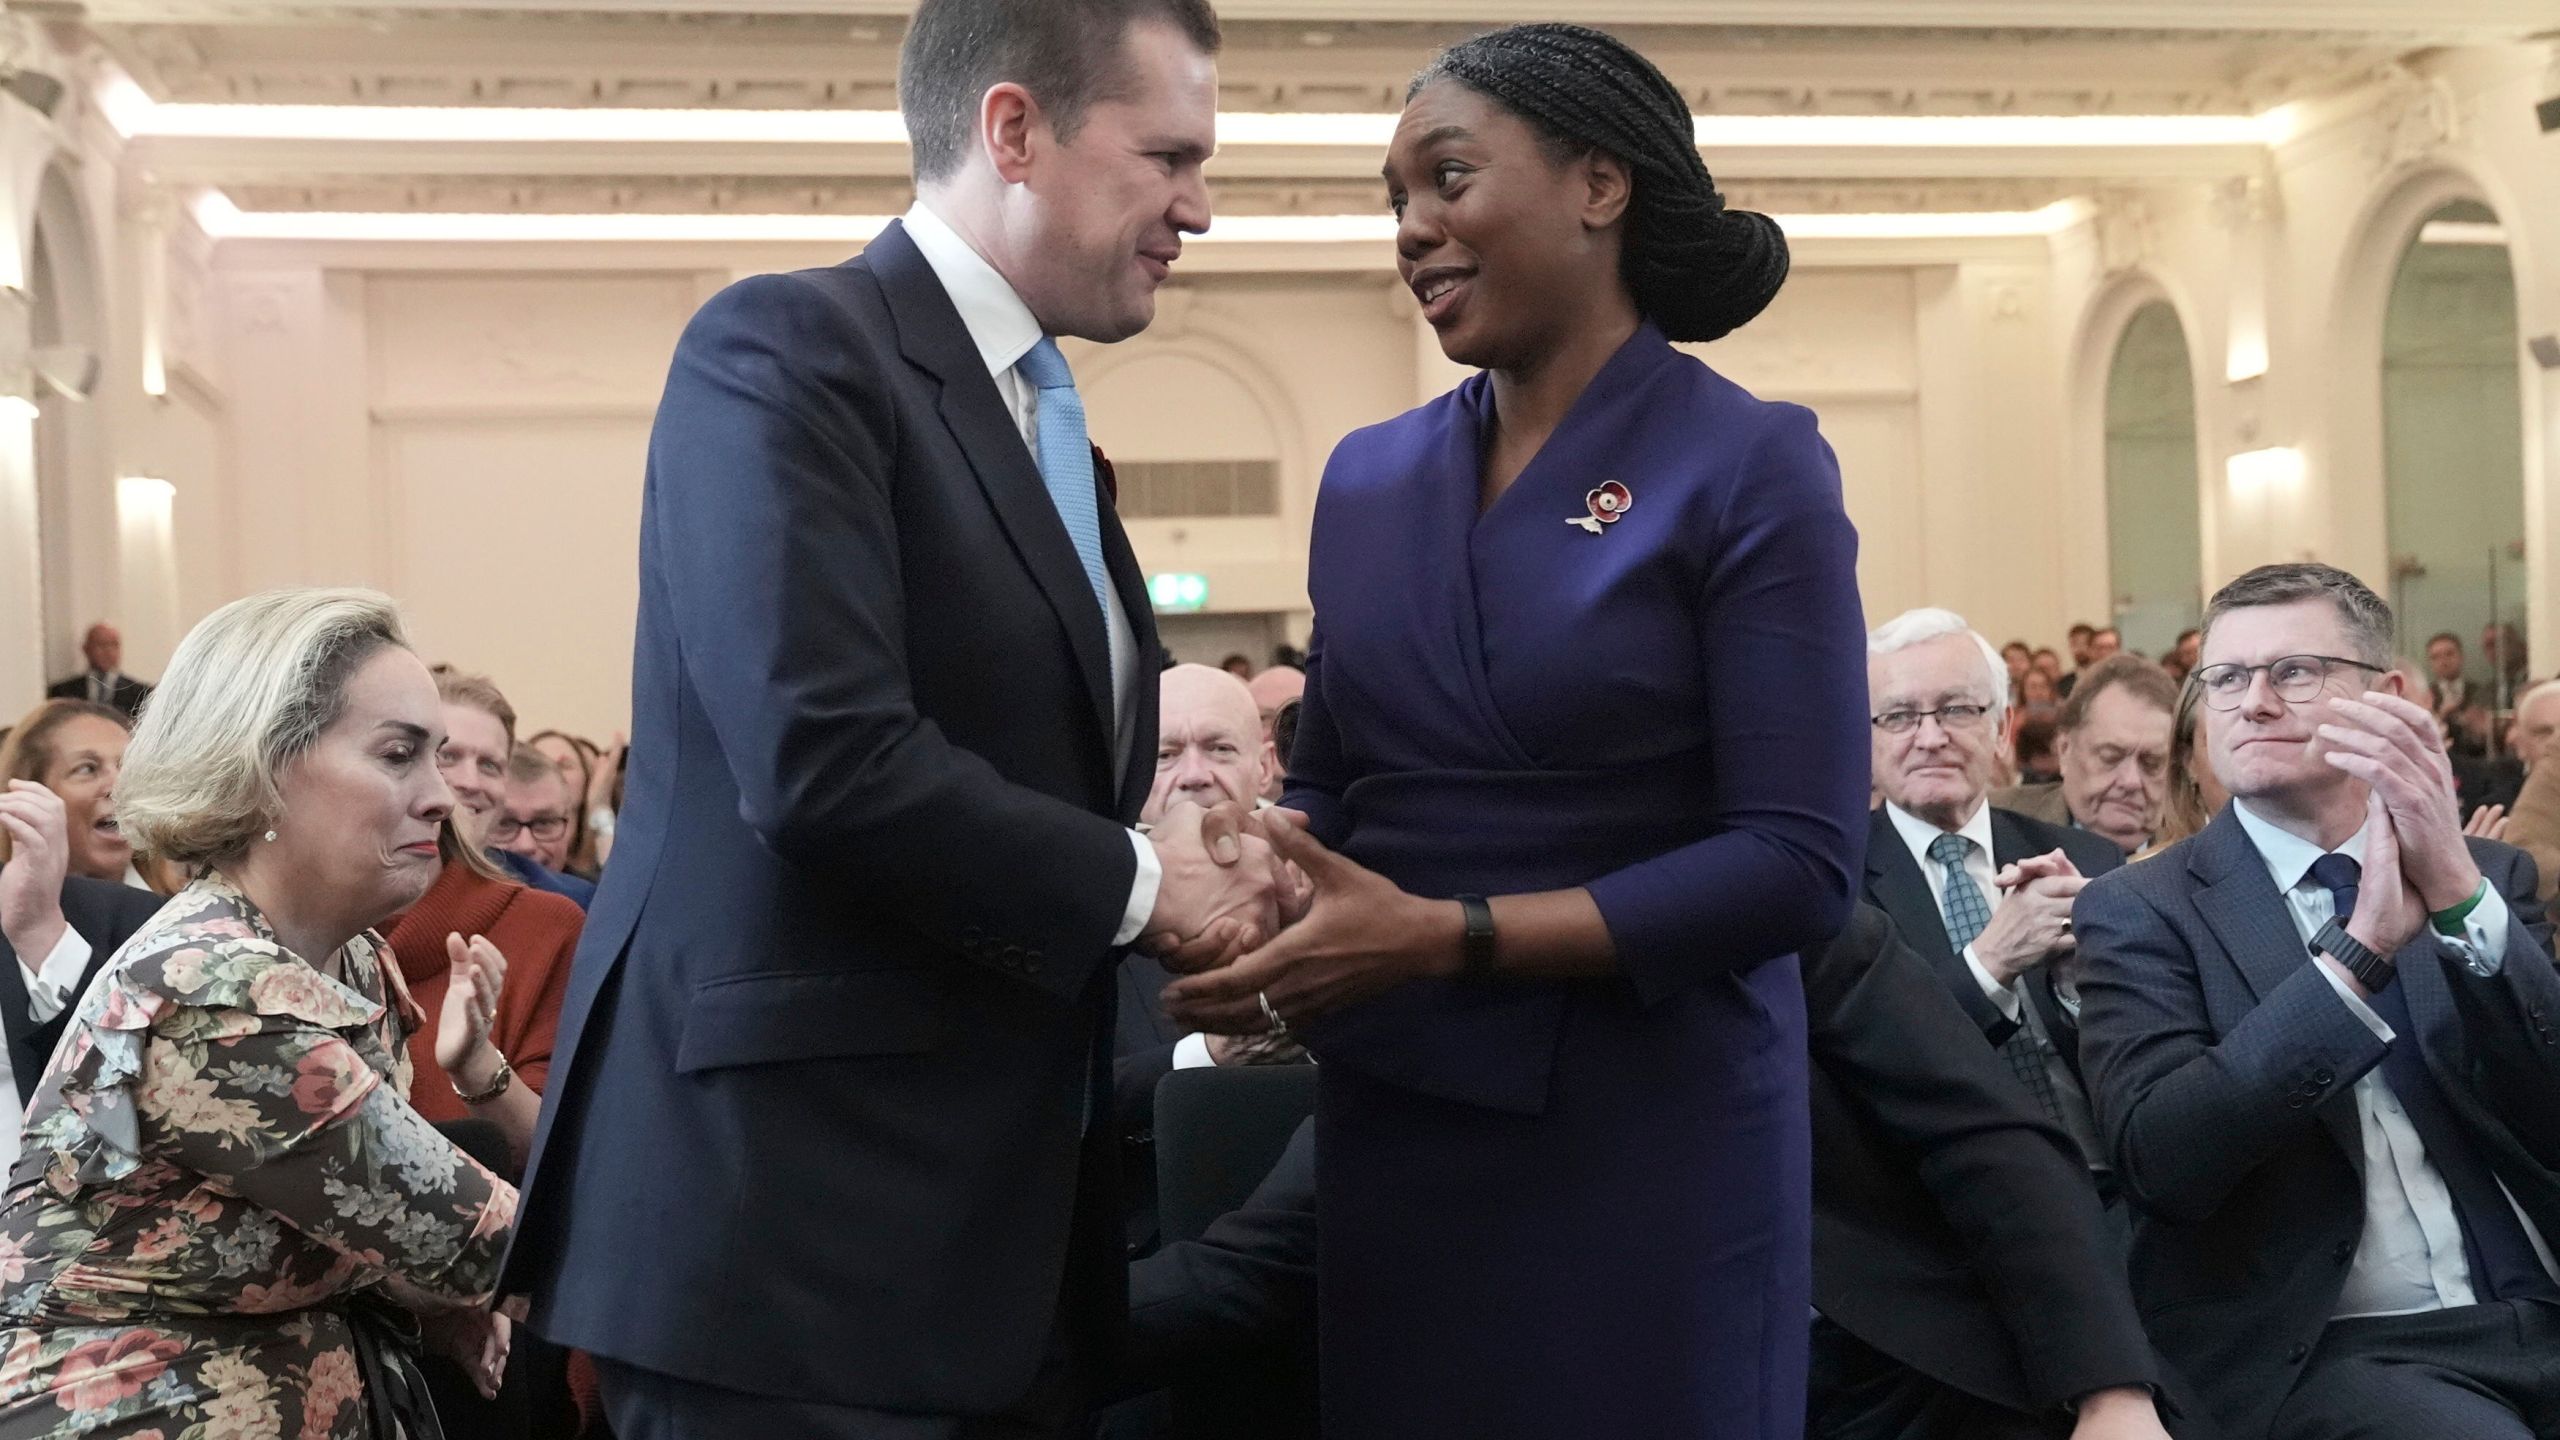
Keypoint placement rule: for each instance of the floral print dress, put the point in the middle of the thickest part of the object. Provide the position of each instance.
(218, 1159)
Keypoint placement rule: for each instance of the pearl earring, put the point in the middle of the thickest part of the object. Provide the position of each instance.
(271, 837)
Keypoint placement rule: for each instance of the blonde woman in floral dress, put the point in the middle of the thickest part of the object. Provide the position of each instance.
(226, 1222)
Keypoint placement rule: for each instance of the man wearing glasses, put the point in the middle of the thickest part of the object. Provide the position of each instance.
(1985, 893)
(2324, 1040)
(532, 830)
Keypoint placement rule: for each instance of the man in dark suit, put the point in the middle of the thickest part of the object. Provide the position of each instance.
(57, 930)
(2112, 751)
(103, 683)
(2324, 1038)
(1966, 1286)
(1984, 893)
(893, 706)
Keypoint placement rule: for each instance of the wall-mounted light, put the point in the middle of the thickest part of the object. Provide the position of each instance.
(2258, 470)
(140, 497)
(19, 407)
(2247, 359)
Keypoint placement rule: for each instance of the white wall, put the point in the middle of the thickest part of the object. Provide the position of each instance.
(463, 423)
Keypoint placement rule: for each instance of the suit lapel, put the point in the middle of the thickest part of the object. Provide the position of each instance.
(2241, 905)
(932, 337)
(1899, 889)
(1138, 768)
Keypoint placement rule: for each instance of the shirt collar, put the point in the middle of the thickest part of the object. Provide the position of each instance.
(1917, 833)
(2288, 856)
(999, 324)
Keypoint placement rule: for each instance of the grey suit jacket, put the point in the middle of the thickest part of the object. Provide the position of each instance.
(2222, 1068)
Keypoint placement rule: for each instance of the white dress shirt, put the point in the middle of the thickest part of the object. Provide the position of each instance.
(2410, 1258)
(1918, 834)
(1004, 330)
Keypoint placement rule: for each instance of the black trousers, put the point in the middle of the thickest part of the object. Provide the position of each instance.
(648, 1405)
(2479, 1372)
(1858, 1392)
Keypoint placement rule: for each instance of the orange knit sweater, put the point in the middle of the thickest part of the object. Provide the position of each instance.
(536, 932)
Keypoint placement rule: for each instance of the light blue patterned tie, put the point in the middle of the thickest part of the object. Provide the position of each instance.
(1066, 459)
(1967, 911)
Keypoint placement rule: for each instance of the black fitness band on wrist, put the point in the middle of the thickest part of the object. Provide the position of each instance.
(1475, 953)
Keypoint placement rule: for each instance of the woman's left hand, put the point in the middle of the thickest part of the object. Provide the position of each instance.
(476, 978)
(1361, 936)
(477, 1340)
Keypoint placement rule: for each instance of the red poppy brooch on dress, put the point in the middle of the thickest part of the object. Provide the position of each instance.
(1608, 505)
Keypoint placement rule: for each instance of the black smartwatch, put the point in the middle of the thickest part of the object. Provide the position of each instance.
(1475, 952)
(2372, 971)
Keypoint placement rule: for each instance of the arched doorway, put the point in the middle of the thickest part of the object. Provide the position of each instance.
(2155, 536)
(2453, 444)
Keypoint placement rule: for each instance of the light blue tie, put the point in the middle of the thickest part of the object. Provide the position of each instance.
(1066, 459)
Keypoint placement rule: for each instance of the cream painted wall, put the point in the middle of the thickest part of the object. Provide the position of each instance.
(463, 423)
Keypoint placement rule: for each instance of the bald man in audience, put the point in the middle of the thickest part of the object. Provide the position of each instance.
(1211, 749)
(2534, 822)
(1274, 690)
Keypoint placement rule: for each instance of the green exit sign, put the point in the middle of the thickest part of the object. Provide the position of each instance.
(1179, 592)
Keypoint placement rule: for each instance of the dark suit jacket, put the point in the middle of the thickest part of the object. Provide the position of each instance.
(1954, 1226)
(106, 916)
(828, 1118)
(1141, 1055)
(128, 697)
(2223, 1068)
(1897, 886)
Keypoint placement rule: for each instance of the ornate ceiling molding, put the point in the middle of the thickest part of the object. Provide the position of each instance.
(2415, 20)
(830, 195)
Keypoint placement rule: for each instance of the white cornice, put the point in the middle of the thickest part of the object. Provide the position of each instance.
(2445, 19)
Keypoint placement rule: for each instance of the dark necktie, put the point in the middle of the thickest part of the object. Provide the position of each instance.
(1968, 914)
(2503, 1265)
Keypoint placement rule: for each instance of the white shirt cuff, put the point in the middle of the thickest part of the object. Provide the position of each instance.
(1142, 890)
(2483, 942)
(2355, 1003)
(49, 989)
(2004, 996)
(1191, 1052)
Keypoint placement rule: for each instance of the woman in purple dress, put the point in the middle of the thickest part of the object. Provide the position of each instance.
(1589, 644)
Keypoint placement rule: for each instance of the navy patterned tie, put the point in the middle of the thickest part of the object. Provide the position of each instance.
(2503, 1265)
(1968, 913)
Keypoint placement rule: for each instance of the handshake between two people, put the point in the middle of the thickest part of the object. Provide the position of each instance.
(1265, 927)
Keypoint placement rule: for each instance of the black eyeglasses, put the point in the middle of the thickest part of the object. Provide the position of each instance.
(2295, 678)
(545, 829)
(1949, 717)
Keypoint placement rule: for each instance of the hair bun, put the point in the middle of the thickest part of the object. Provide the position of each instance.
(1736, 264)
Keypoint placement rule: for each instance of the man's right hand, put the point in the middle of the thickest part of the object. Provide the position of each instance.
(31, 883)
(2032, 927)
(1222, 891)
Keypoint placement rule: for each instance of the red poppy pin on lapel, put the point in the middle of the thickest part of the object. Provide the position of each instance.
(1608, 505)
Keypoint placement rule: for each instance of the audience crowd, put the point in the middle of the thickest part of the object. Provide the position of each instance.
(2003, 1205)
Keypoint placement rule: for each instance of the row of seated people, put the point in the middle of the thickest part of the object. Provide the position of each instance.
(2240, 1124)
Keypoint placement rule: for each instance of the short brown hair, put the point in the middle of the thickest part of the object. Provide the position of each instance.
(1065, 52)
(477, 692)
(2129, 672)
(2368, 617)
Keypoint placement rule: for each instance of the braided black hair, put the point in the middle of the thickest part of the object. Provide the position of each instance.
(1697, 269)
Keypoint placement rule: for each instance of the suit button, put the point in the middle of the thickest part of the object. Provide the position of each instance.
(2295, 1101)
(2297, 1354)
(2345, 1252)
(2321, 1077)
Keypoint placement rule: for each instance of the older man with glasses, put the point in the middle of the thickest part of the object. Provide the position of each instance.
(1984, 893)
